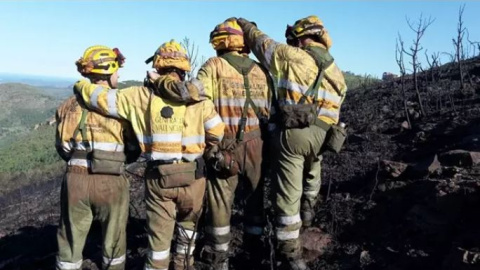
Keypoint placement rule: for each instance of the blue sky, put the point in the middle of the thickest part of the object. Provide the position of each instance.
(46, 37)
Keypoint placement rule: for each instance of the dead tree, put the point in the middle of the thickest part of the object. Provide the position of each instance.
(192, 51)
(419, 29)
(433, 63)
(459, 48)
(399, 51)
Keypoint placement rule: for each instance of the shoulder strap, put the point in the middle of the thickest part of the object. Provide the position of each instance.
(243, 65)
(323, 59)
(83, 129)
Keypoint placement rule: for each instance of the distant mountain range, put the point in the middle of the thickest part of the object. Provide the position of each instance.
(36, 80)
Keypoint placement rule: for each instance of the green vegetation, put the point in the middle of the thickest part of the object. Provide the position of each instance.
(29, 158)
(355, 81)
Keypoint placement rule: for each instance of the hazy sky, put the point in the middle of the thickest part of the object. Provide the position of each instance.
(47, 37)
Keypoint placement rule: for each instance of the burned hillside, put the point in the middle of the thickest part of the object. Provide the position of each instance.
(399, 196)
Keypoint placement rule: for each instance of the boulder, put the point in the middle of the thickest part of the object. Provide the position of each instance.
(393, 168)
(315, 242)
(461, 158)
(425, 167)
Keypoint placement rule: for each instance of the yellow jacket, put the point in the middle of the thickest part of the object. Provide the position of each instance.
(103, 133)
(294, 70)
(223, 84)
(165, 130)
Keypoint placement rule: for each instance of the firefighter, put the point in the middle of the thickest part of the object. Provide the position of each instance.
(173, 137)
(240, 90)
(311, 89)
(94, 185)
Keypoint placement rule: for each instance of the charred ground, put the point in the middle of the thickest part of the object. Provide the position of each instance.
(397, 197)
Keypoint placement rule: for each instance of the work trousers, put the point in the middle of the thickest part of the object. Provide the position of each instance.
(221, 193)
(84, 197)
(298, 183)
(165, 208)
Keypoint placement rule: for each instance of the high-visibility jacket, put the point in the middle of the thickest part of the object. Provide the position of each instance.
(165, 130)
(294, 70)
(225, 86)
(103, 133)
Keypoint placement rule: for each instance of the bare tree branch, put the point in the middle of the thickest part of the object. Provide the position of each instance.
(192, 50)
(399, 52)
(418, 27)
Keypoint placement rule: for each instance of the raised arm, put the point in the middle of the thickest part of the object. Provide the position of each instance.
(112, 102)
(171, 88)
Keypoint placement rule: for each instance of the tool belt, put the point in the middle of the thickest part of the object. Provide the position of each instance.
(176, 173)
(103, 162)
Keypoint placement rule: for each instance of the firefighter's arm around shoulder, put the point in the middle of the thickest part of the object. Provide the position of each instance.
(111, 102)
(170, 88)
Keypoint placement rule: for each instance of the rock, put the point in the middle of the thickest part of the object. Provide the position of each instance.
(425, 167)
(405, 125)
(314, 242)
(460, 158)
(394, 169)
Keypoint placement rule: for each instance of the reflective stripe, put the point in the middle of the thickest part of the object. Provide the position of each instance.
(159, 255)
(164, 156)
(94, 96)
(69, 265)
(289, 220)
(334, 98)
(172, 137)
(233, 121)
(193, 139)
(187, 233)
(114, 261)
(79, 162)
(255, 230)
(144, 139)
(105, 146)
(240, 102)
(328, 113)
(212, 122)
(182, 249)
(311, 193)
(112, 102)
(288, 235)
(148, 268)
(322, 94)
(219, 230)
(191, 157)
(221, 247)
(293, 86)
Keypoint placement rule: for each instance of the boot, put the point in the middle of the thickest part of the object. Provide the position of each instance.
(307, 213)
(293, 264)
(217, 260)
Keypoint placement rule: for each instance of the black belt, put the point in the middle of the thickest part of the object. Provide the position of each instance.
(154, 163)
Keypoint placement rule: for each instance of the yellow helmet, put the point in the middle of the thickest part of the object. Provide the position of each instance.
(98, 60)
(227, 36)
(312, 25)
(170, 54)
